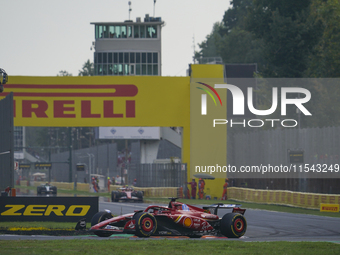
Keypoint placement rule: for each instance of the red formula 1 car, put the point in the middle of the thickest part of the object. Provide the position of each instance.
(177, 219)
(126, 194)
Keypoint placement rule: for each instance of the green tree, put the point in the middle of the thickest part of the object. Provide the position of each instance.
(208, 48)
(288, 34)
(64, 73)
(325, 60)
(229, 39)
(235, 16)
(87, 70)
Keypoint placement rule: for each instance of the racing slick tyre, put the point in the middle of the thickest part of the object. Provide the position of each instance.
(54, 191)
(146, 224)
(114, 196)
(140, 195)
(233, 225)
(99, 217)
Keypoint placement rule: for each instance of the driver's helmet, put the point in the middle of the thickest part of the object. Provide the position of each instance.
(185, 207)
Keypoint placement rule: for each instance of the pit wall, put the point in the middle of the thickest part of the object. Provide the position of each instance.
(282, 197)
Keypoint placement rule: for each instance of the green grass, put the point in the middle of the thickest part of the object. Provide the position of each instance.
(40, 224)
(164, 247)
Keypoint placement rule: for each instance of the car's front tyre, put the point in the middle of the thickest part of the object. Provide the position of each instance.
(99, 217)
(145, 224)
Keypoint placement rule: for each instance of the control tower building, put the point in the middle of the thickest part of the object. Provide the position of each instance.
(128, 48)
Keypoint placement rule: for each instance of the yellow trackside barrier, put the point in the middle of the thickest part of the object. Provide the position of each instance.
(66, 185)
(295, 199)
(83, 187)
(24, 183)
(63, 185)
(282, 197)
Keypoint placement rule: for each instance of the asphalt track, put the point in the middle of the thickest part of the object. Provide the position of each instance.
(262, 226)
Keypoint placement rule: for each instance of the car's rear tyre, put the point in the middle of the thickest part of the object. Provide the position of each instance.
(145, 224)
(233, 225)
(114, 196)
(140, 195)
(99, 217)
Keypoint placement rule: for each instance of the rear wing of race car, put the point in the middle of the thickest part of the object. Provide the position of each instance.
(214, 208)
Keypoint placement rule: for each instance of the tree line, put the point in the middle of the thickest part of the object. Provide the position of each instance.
(286, 39)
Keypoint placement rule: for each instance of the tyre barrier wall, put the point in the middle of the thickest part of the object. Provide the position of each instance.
(154, 192)
(148, 192)
(63, 185)
(282, 197)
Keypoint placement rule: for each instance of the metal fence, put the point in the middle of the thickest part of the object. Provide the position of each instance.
(320, 146)
(158, 175)
(101, 160)
(6, 142)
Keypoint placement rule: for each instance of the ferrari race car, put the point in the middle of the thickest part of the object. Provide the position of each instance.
(46, 189)
(177, 219)
(126, 194)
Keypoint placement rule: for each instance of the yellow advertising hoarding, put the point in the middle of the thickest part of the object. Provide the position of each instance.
(100, 101)
(144, 101)
(329, 208)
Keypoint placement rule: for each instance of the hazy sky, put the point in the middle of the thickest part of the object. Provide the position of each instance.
(42, 37)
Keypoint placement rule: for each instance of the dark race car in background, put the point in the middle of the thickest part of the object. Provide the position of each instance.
(126, 194)
(177, 219)
(46, 189)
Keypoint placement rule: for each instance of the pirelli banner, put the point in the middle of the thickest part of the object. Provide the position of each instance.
(60, 209)
(99, 101)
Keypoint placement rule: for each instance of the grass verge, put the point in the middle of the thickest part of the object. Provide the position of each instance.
(26, 225)
(164, 247)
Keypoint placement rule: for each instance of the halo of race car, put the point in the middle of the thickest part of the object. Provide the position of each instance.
(177, 219)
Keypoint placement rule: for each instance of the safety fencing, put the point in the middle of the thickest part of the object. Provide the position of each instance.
(320, 146)
(282, 197)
